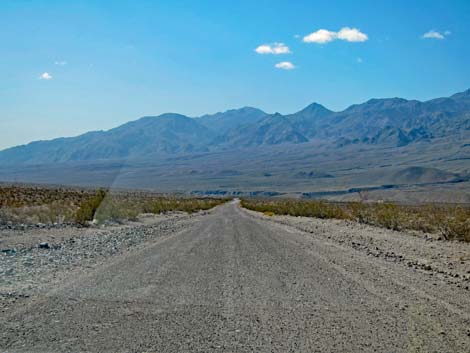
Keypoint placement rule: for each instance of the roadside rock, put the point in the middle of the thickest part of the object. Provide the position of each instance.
(9, 251)
(44, 245)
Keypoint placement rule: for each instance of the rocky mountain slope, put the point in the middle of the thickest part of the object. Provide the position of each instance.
(388, 122)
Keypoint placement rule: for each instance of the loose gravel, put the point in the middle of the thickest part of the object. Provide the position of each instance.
(30, 265)
(449, 260)
(237, 281)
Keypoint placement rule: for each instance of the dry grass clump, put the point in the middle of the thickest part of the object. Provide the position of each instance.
(32, 205)
(13, 196)
(47, 214)
(128, 206)
(87, 210)
(317, 209)
(451, 221)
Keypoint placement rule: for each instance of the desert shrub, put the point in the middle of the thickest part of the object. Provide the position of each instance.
(457, 226)
(13, 196)
(359, 212)
(88, 208)
(388, 216)
(127, 206)
(36, 214)
(451, 221)
(112, 209)
(300, 208)
(27, 204)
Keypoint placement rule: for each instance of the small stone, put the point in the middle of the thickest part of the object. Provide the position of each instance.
(44, 245)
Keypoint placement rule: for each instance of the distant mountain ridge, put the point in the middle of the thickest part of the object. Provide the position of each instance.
(390, 122)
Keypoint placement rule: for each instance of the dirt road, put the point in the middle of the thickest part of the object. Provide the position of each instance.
(234, 282)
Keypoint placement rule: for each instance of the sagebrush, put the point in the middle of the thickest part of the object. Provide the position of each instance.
(451, 221)
(20, 204)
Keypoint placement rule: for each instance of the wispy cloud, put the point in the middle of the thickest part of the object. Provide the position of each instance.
(348, 34)
(274, 48)
(45, 76)
(60, 63)
(285, 65)
(432, 34)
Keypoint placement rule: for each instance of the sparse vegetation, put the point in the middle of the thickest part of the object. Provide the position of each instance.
(87, 210)
(30, 205)
(118, 206)
(451, 221)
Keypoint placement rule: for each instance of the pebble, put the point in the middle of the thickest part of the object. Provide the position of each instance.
(9, 251)
(44, 245)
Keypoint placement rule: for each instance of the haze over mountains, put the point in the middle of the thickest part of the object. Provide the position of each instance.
(390, 122)
(392, 148)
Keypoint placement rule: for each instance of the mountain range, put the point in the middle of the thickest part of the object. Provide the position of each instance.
(383, 149)
(379, 122)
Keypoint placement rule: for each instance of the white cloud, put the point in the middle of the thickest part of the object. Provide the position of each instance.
(274, 48)
(325, 36)
(352, 35)
(321, 36)
(285, 65)
(60, 63)
(434, 35)
(45, 76)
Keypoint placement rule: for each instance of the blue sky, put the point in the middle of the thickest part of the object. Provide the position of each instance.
(70, 67)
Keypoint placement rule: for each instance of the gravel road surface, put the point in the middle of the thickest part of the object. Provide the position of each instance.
(234, 281)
